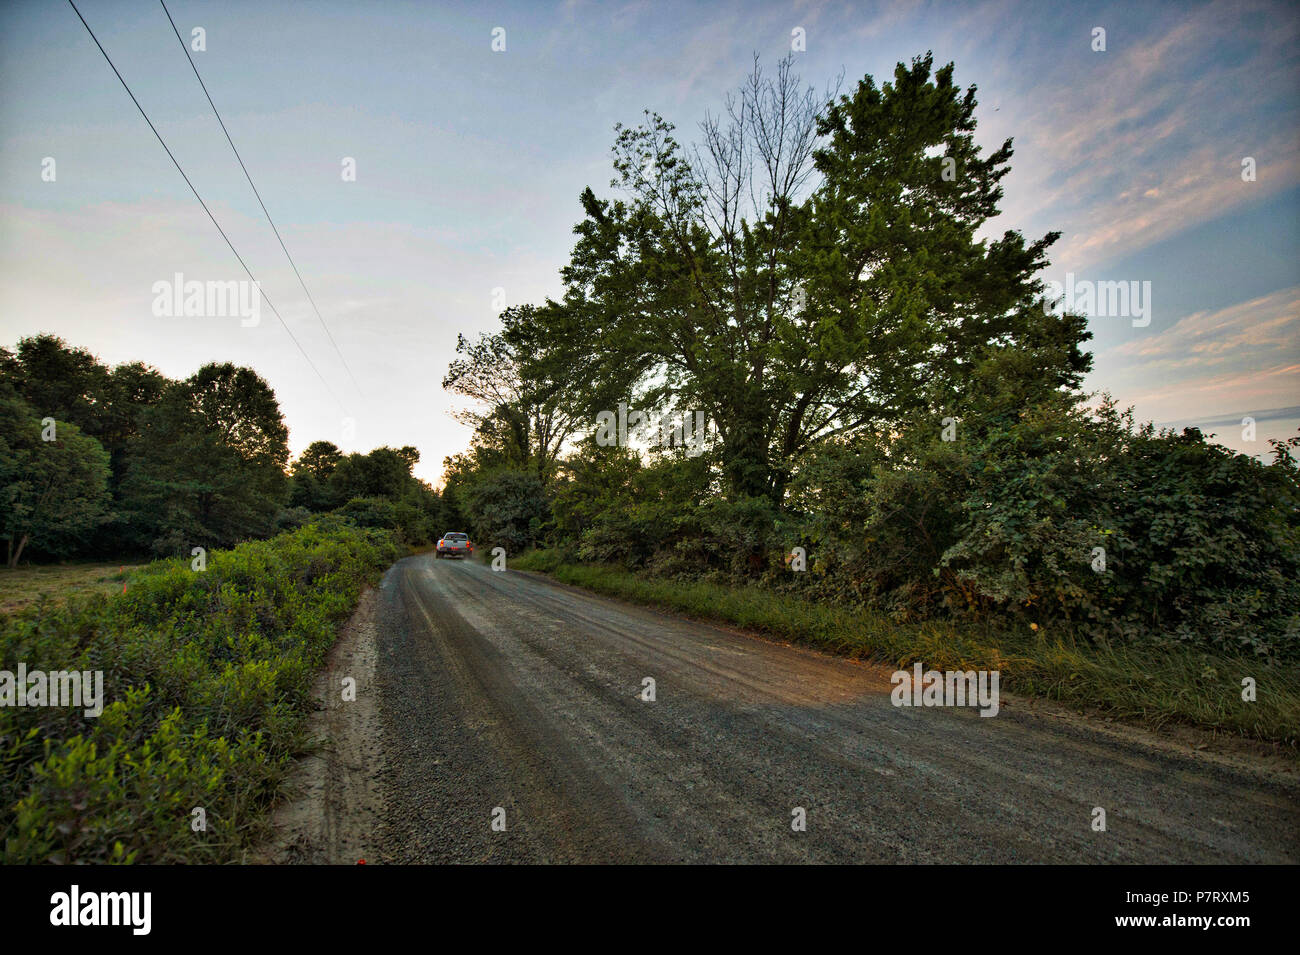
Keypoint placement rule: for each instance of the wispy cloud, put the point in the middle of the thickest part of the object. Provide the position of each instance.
(1246, 356)
(1269, 324)
(1147, 139)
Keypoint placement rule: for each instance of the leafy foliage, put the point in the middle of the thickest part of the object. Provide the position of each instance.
(207, 467)
(1067, 518)
(198, 462)
(508, 509)
(803, 274)
(208, 678)
(51, 490)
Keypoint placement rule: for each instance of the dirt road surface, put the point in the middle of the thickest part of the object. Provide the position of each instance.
(504, 699)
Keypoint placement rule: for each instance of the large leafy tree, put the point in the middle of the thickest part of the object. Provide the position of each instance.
(521, 420)
(384, 472)
(208, 466)
(312, 472)
(57, 380)
(130, 389)
(72, 385)
(804, 272)
(318, 459)
(53, 481)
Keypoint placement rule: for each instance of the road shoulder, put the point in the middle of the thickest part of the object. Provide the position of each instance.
(333, 812)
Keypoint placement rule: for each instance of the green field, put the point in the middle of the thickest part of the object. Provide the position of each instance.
(24, 586)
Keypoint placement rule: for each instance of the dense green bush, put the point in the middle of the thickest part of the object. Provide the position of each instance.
(1061, 515)
(415, 523)
(613, 507)
(207, 677)
(370, 512)
(508, 509)
(1056, 515)
(1200, 545)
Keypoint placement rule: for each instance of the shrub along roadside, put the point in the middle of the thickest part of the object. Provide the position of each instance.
(207, 679)
(1153, 686)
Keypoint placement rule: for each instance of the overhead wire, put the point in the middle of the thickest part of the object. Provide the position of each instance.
(177, 164)
(258, 194)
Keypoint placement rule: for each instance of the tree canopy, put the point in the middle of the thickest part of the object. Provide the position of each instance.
(199, 462)
(53, 480)
(805, 272)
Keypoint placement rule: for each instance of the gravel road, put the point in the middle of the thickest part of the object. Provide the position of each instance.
(508, 697)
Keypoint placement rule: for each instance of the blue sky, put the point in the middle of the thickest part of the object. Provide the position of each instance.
(469, 163)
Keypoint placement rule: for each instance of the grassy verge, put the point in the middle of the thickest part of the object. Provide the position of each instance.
(1153, 687)
(206, 677)
(22, 587)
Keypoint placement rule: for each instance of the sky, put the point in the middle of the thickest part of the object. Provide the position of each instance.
(469, 162)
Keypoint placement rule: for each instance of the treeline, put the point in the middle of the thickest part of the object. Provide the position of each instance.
(894, 411)
(108, 462)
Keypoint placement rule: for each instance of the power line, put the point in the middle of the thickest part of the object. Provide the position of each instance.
(319, 317)
(205, 205)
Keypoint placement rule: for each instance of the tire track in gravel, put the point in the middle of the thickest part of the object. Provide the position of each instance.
(508, 690)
